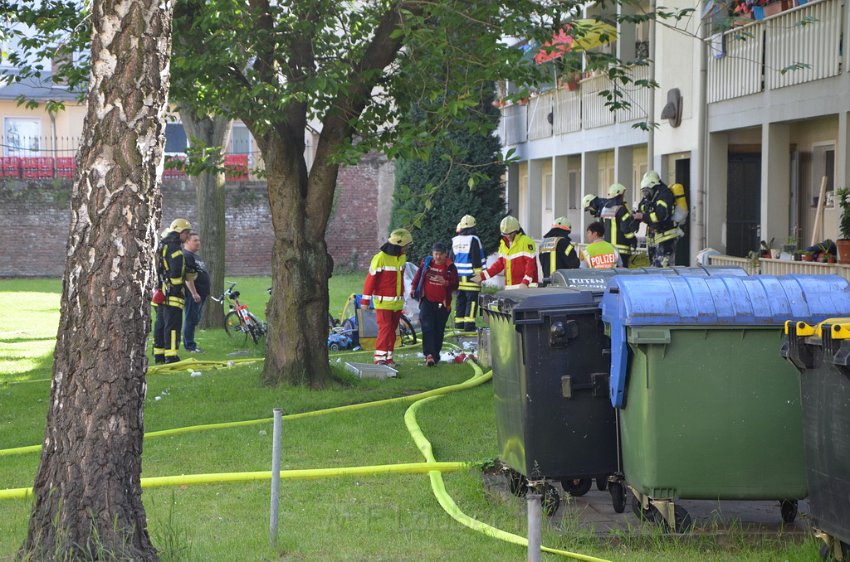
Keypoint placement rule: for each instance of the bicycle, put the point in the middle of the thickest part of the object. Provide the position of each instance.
(240, 321)
(346, 327)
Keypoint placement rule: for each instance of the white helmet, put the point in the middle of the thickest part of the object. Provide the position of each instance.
(563, 223)
(468, 221)
(400, 237)
(616, 189)
(587, 200)
(509, 225)
(650, 179)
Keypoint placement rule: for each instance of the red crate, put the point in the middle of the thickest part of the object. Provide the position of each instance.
(171, 172)
(10, 166)
(236, 167)
(37, 167)
(66, 167)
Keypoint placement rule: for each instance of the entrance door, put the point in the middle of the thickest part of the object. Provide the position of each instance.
(743, 204)
(683, 247)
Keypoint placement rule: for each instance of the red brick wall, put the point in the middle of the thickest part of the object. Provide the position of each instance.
(34, 220)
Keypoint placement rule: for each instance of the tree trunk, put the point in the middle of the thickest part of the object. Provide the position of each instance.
(296, 352)
(87, 490)
(212, 131)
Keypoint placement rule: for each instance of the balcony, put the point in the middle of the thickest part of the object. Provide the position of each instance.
(793, 47)
(767, 266)
(561, 111)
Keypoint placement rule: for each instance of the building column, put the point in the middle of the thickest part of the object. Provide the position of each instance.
(842, 151)
(775, 182)
(624, 172)
(531, 223)
(715, 196)
(589, 184)
(561, 180)
(512, 189)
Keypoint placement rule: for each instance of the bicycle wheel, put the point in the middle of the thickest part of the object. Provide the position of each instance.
(255, 328)
(406, 331)
(234, 327)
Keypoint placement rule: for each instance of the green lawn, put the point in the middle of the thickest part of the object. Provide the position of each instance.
(364, 518)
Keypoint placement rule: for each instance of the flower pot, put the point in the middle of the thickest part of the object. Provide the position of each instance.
(843, 251)
(807, 257)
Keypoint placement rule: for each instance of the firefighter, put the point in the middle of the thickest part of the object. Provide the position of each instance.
(592, 204)
(172, 275)
(620, 226)
(656, 210)
(516, 257)
(556, 249)
(384, 288)
(599, 254)
(468, 256)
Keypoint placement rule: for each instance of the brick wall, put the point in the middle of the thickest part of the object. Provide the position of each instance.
(34, 221)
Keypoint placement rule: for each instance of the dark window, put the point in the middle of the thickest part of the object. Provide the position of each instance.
(175, 138)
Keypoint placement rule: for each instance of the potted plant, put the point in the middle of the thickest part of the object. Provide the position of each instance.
(843, 242)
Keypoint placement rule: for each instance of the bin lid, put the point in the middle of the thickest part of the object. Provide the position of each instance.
(722, 300)
(596, 280)
(763, 300)
(526, 304)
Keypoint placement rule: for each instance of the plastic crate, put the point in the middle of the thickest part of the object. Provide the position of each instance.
(10, 166)
(66, 167)
(37, 167)
(236, 166)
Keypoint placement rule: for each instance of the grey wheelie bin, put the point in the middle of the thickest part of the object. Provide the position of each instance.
(822, 355)
(707, 407)
(550, 379)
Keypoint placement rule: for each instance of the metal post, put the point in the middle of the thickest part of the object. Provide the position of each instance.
(535, 510)
(275, 503)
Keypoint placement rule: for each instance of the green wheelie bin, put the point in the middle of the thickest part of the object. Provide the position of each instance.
(822, 355)
(707, 408)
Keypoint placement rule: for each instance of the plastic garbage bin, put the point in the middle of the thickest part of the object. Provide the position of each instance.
(550, 379)
(707, 408)
(822, 355)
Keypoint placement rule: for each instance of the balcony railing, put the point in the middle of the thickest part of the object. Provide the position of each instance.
(767, 266)
(561, 111)
(792, 47)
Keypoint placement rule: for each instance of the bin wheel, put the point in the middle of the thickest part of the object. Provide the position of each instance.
(618, 496)
(683, 521)
(651, 514)
(602, 483)
(788, 508)
(551, 500)
(517, 483)
(577, 487)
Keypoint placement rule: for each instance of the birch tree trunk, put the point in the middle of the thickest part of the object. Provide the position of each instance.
(87, 490)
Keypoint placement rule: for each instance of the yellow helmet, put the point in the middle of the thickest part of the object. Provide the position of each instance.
(509, 225)
(468, 221)
(616, 189)
(179, 225)
(650, 179)
(587, 200)
(400, 237)
(562, 223)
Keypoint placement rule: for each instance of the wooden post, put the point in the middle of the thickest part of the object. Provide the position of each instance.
(819, 214)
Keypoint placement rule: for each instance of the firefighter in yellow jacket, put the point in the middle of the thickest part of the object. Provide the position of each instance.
(172, 275)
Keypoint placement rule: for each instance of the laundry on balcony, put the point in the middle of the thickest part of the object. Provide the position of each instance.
(576, 36)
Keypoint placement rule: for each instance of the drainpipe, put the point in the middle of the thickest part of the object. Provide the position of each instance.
(650, 140)
(54, 138)
(700, 213)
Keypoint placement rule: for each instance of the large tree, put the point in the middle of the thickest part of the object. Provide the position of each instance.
(464, 177)
(88, 491)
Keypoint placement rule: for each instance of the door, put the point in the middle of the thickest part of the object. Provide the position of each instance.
(683, 247)
(743, 204)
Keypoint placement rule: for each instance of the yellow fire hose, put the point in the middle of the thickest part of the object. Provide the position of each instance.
(448, 504)
(475, 380)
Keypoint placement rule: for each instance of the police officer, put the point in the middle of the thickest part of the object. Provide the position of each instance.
(656, 210)
(620, 226)
(556, 249)
(172, 274)
(598, 254)
(468, 256)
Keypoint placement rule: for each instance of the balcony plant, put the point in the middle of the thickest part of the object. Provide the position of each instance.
(843, 242)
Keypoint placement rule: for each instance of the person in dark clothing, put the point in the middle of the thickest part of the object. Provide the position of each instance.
(199, 289)
(620, 226)
(656, 210)
(557, 250)
(467, 253)
(433, 284)
(172, 274)
(593, 204)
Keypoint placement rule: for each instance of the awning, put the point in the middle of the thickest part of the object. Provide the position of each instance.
(576, 36)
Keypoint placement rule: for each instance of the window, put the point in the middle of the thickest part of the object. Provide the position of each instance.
(240, 140)
(175, 139)
(21, 136)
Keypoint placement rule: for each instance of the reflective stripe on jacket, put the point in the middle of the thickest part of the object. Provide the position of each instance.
(384, 284)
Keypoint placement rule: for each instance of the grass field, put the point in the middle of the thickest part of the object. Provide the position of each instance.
(364, 518)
